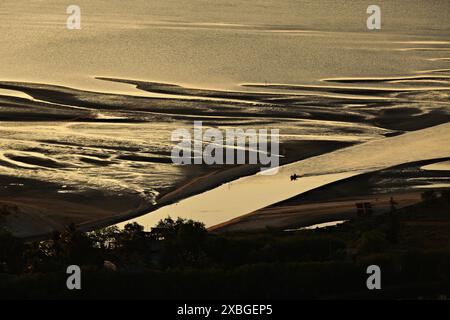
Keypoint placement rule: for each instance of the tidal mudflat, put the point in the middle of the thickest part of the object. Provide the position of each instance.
(86, 115)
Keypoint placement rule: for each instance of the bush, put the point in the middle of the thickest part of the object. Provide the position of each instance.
(372, 242)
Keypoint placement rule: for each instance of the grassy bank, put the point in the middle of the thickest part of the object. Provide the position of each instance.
(180, 259)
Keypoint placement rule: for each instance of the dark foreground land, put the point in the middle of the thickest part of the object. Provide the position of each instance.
(181, 260)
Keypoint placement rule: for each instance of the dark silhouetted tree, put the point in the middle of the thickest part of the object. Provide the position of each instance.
(183, 241)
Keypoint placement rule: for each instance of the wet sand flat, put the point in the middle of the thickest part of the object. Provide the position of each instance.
(297, 216)
(78, 145)
(86, 116)
(256, 192)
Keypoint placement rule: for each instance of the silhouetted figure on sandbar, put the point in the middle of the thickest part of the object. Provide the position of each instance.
(294, 177)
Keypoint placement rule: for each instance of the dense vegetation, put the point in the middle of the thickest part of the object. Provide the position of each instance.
(180, 259)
